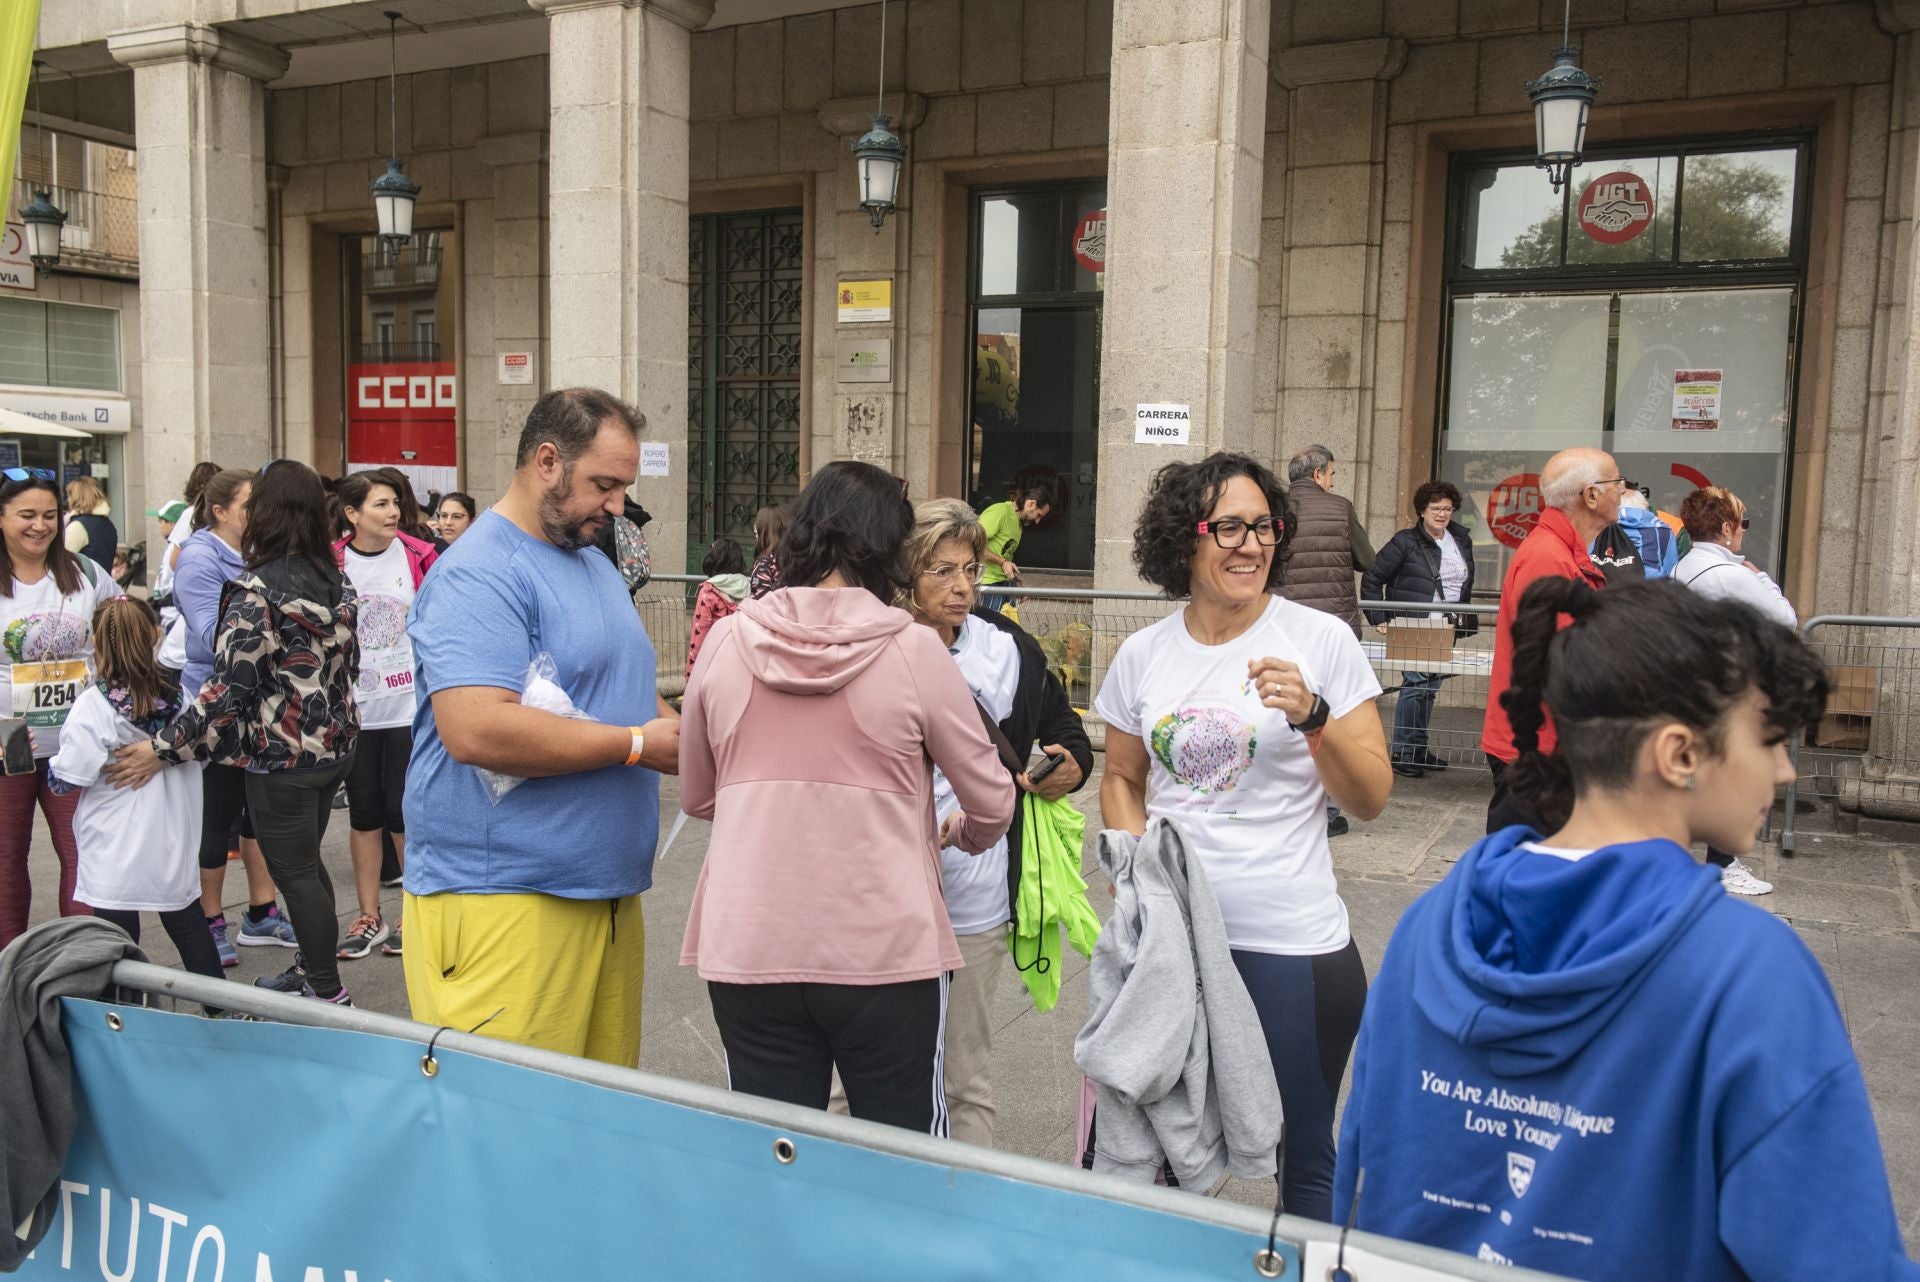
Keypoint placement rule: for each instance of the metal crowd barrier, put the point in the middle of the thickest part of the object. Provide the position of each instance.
(1080, 629)
(1863, 759)
(1299, 1247)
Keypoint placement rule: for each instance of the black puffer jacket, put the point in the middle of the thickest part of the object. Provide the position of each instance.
(1041, 715)
(1408, 569)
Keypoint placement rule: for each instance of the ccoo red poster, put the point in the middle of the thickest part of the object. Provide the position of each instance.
(403, 414)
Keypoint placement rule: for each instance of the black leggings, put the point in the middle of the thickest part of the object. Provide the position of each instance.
(290, 809)
(223, 813)
(377, 784)
(184, 926)
(783, 1042)
(1309, 1009)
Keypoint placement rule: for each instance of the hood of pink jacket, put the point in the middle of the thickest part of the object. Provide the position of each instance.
(815, 640)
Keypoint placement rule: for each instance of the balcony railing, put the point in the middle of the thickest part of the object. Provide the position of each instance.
(387, 353)
(419, 268)
(102, 231)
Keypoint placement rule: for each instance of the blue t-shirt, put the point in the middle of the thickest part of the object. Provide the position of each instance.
(497, 598)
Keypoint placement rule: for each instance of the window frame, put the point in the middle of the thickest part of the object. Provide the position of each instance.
(977, 301)
(119, 387)
(1616, 279)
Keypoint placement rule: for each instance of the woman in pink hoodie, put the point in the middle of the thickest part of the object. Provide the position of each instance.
(812, 723)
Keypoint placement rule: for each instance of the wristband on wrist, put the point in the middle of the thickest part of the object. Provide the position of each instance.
(639, 745)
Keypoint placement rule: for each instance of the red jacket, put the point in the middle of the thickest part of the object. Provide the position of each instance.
(420, 555)
(1551, 550)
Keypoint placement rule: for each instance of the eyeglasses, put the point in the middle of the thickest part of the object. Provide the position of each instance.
(1746, 523)
(1613, 480)
(943, 574)
(27, 474)
(1231, 532)
(1438, 509)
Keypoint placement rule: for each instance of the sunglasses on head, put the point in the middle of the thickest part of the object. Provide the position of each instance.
(27, 474)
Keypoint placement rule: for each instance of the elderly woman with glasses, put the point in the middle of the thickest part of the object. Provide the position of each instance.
(1431, 560)
(1237, 717)
(1010, 678)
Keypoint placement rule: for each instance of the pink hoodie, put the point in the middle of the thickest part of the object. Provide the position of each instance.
(810, 727)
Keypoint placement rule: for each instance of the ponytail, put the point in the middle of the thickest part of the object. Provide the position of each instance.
(1540, 782)
(1637, 656)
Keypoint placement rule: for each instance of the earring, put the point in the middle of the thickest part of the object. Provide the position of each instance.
(1687, 783)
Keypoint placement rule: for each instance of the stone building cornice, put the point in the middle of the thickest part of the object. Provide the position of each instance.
(191, 42)
(1321, 64)
(691, 14)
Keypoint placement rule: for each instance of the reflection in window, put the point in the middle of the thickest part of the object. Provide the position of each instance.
(1738, 205)
(1513, 219)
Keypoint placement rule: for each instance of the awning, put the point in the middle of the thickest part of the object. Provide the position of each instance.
(89, 413)
(14, 423)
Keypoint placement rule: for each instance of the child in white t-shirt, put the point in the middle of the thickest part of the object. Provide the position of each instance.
(139, 847)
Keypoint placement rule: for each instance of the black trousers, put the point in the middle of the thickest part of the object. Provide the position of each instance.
(1309, 1011)
(377, 783)
(783, 1042)
(184, 926)
(1503, 811)
(223, 813)
(290, 809)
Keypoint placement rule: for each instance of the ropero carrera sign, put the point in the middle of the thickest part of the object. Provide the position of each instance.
(1615, 207)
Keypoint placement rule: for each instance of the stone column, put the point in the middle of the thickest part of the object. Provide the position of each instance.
(1185, 142)
(1332, 378)
(200, 109)
(617, 245)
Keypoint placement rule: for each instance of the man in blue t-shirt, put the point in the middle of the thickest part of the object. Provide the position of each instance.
(523, 907)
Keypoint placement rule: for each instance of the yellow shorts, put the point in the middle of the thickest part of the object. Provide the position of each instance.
(563, 974)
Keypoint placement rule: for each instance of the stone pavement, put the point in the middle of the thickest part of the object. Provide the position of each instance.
(1852, 898)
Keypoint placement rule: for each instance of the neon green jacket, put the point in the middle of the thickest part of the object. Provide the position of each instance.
(1052, 894)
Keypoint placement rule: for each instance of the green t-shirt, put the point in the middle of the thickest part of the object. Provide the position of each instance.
(1002, 525)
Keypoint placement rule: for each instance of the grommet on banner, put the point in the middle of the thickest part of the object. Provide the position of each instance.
(429, 1066)
(113, 1022)
(1269, 1263)
(784, 1151)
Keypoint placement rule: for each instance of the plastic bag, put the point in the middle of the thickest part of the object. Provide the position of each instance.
(542, 691)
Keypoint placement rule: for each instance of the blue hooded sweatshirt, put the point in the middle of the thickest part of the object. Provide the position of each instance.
(1609, 1068)
(1659, 550)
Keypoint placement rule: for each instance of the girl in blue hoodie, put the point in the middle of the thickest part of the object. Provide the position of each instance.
(1580, 1054)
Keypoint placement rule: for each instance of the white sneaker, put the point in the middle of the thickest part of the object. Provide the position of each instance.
(1738, 879)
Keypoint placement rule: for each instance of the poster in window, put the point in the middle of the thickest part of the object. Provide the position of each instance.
(1614, 208)
(1696, 399)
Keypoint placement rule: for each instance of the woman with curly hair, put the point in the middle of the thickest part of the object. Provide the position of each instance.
(1238, 716)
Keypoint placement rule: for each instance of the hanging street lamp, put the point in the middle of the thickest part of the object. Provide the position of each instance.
(1560, 101)
(42, 218)
(879, 152)
(393, 191)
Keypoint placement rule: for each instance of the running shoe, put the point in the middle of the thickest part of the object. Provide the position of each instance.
(1338, 826)
(338, 999)
(366, 931)
(392, 947)
(1738, 879)
(292, 980)
(271, 931)
(217, 926)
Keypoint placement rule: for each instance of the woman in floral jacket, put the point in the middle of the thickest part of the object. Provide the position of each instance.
(280, 705)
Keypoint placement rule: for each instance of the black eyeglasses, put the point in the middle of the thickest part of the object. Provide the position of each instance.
(1746, 523)
(1230, 532)
(27, 474)
(1615, 480)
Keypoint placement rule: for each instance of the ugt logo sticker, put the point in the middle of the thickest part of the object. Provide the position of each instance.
(1519, 1173)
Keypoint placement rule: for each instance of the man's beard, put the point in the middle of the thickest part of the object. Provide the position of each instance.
(569, 536)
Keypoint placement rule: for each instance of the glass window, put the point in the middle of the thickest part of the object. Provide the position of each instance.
(1513, 220)
(1739, 205)
(58, 345)
(1040, 257)
(1528, 372)
(1622, 211)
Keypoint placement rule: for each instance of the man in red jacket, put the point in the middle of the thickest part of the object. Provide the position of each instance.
(1580, 493)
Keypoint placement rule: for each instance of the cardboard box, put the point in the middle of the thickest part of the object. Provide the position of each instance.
(1419, 643)
(1851, 694)
(1844, 731)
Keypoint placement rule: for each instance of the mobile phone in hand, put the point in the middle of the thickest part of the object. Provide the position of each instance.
(1046, 767)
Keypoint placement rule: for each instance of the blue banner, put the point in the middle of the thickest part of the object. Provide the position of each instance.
(259, 1152)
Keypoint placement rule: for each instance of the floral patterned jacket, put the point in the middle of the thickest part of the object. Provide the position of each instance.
(284, 664)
